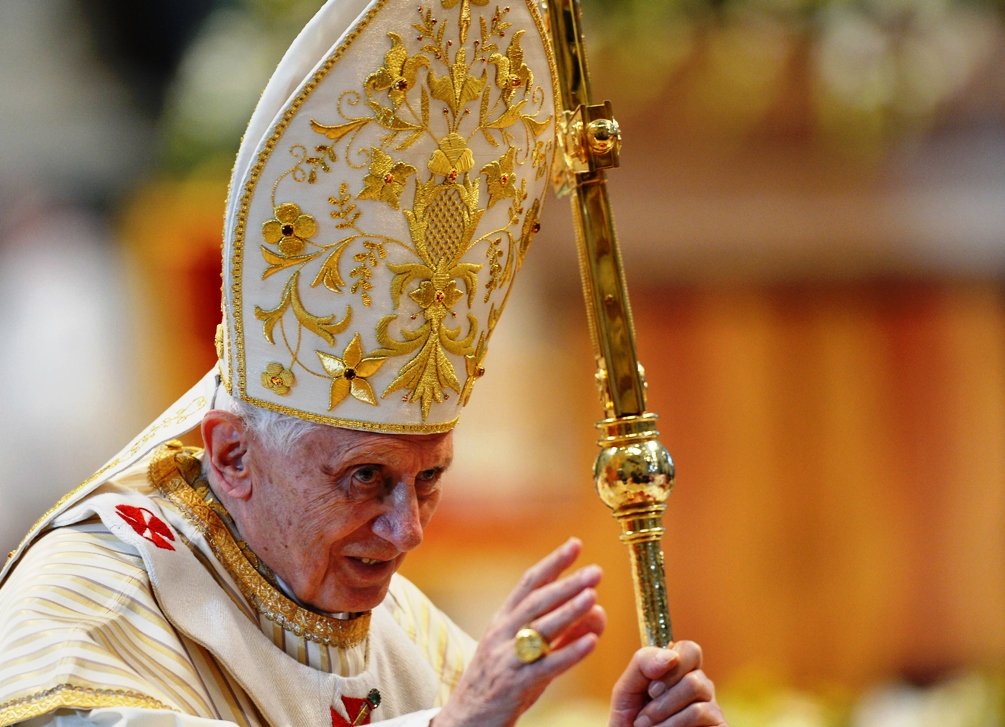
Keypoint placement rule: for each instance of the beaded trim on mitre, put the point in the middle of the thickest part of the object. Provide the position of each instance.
(379, 230)
(177, 472)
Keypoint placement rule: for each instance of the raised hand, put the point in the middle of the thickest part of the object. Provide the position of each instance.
(498, 686)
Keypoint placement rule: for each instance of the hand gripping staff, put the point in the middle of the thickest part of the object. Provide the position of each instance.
(633, 472)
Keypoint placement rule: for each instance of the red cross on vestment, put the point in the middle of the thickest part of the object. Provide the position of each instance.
(353, 706)
(147, 525)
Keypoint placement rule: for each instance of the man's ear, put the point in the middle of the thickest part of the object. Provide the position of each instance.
(226, 440)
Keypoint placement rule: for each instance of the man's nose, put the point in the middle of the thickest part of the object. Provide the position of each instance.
(400, 523)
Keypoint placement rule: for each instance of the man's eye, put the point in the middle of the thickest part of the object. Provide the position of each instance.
(366, 475)
(427, 480)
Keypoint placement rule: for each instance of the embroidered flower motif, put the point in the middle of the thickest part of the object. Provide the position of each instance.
(398, 73)
(500, 177)
(511, 71)
(458, 87)
(387, 178)
(289, 229)
(436, 299)
(452, 157)
(278, 378)
(349, 373)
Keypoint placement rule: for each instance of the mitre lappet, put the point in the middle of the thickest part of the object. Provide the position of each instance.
(383, 199)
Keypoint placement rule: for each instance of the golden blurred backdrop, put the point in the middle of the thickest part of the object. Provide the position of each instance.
(811, 208)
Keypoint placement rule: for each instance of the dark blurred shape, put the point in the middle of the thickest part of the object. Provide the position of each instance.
(143, 42)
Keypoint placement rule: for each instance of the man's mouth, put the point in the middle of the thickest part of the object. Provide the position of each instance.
(372, 561)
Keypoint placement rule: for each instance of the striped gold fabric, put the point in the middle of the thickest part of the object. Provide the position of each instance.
(82, 629)
(447, 648)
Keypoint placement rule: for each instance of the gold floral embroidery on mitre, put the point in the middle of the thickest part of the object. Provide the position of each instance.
(350, 373)
(290, 229)
(278, 378)
(456, 75)
(177, 472)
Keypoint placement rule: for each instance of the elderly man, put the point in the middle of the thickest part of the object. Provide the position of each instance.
(382, 201)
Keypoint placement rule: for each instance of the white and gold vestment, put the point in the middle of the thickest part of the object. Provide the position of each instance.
(143, 602)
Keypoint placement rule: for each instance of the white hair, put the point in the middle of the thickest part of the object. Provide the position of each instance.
(278, 432)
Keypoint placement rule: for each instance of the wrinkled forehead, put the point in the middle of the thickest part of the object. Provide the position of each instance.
(333, 446)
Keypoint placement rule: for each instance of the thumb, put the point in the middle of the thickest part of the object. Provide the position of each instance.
(631, 691)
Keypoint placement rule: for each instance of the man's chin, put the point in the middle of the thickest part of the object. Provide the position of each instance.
(358, 601)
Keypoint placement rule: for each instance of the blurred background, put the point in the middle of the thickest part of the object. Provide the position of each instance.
(811, 208)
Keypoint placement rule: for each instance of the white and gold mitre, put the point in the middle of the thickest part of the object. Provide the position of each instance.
(382, 202)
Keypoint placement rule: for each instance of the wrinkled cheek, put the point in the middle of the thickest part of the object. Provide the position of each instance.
(426, 510)
(313, 570)
(306, 547)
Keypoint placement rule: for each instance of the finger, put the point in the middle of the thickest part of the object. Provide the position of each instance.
(689, 658)
(544, 571)
(630, 693)
(556, 662)
(552, 624)
(693, 687)
(701, 714)
(593, 622)
(552, 596)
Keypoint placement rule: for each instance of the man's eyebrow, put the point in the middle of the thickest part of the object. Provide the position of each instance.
(350, 457)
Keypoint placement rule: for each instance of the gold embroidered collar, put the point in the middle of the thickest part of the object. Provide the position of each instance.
(177, 472)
